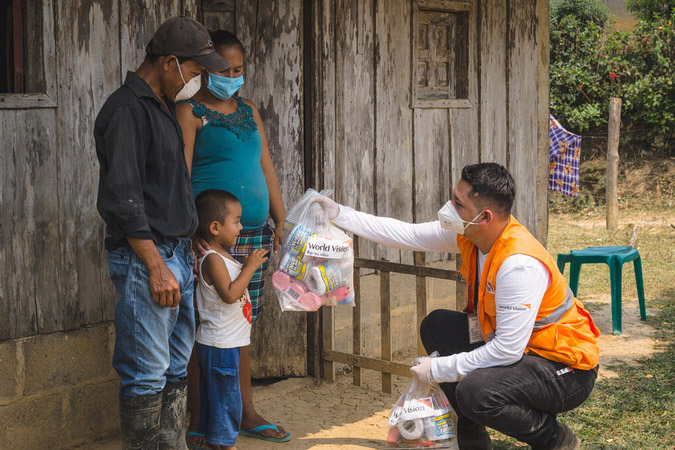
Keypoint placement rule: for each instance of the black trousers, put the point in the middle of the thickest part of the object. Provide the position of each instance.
(520, 400)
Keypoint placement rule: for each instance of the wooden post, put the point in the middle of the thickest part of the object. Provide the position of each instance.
(17, 28)
(328, 341)
(421, 291)
(356, 323)
(385, 324)
(613, 163)
(633, 236)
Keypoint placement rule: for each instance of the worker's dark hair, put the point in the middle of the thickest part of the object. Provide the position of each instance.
(213, 205)
(224, 39)
(492, 184)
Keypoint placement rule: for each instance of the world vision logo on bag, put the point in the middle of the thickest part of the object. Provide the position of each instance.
(513, 308)
(327, 248)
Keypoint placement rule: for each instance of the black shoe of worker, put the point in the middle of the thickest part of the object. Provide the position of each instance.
(477, 438)
(567, 440)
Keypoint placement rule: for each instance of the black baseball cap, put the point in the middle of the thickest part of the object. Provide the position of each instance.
(185, 37)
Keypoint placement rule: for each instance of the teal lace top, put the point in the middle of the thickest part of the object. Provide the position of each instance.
(226, 156)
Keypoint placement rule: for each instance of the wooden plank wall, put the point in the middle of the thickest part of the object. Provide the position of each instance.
(514, 98)
(394, 128)
(419, 153)
(271, 33)
(522, 111)
(493, 102)
(52, 236)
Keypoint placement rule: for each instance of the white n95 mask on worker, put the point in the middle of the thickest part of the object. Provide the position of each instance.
(190, 88)
(450, 219)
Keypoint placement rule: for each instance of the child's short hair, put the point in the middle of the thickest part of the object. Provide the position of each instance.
(212, 205)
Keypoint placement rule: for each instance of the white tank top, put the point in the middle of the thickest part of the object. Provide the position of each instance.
(221, 324)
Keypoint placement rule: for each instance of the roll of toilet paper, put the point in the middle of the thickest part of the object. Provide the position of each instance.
(291, 265)
(411, 429)
(322, 279)
(297, 240)
(430, 429)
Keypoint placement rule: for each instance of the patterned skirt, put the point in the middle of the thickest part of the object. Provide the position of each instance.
(249, 240)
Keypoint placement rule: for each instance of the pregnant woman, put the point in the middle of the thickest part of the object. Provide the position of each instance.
(226, 148)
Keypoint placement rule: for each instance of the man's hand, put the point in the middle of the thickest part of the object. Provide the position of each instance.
(331, 208)
(256, 259)
(422, 369)
(164, 287)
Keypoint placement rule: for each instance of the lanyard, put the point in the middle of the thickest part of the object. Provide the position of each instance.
(475, 285)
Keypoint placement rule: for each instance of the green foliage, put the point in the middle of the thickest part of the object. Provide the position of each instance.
(650, 10)
(590, 63)
(586, 11)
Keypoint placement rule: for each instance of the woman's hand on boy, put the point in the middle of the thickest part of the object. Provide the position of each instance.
(256, 259)
(278, 235)
(200, 245)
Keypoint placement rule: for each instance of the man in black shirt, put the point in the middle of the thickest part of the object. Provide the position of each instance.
(146, 201)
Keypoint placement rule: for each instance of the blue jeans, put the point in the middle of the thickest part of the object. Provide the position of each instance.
(152, 342)
(220, 408)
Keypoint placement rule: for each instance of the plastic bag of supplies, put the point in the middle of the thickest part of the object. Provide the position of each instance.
(422, 418)
(317, 259)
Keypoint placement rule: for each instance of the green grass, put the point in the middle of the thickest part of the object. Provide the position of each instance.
(655, 243)
(636, 409)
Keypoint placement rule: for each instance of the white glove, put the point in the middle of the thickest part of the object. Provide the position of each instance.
(422, 369)
(331, 208)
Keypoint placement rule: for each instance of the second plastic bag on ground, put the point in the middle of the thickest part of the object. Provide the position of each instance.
(317, 259)
(422, 418)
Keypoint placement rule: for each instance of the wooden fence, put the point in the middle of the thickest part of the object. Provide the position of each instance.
(384, 364)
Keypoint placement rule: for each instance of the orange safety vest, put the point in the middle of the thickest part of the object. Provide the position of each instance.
(563, 331)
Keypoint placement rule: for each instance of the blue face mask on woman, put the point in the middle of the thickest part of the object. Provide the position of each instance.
(224, 87)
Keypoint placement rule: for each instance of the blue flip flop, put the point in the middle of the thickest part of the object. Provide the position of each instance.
(255, 432)
(189, 444)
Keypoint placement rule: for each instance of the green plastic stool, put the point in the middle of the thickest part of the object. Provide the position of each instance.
(614, 257)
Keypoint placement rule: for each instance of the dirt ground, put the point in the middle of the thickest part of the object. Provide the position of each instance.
(338, 415)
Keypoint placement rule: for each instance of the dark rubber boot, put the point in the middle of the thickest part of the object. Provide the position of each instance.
(174, 410)
(139, 421)
(474, 437)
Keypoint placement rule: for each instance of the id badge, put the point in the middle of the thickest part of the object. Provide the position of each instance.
(475, 334)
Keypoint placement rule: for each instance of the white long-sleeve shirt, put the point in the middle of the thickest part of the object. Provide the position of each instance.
(520, 286)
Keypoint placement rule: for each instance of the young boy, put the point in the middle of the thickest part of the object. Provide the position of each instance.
(224, 317)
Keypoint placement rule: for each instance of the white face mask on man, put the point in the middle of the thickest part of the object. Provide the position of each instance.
(450, 219)
(190, 88)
